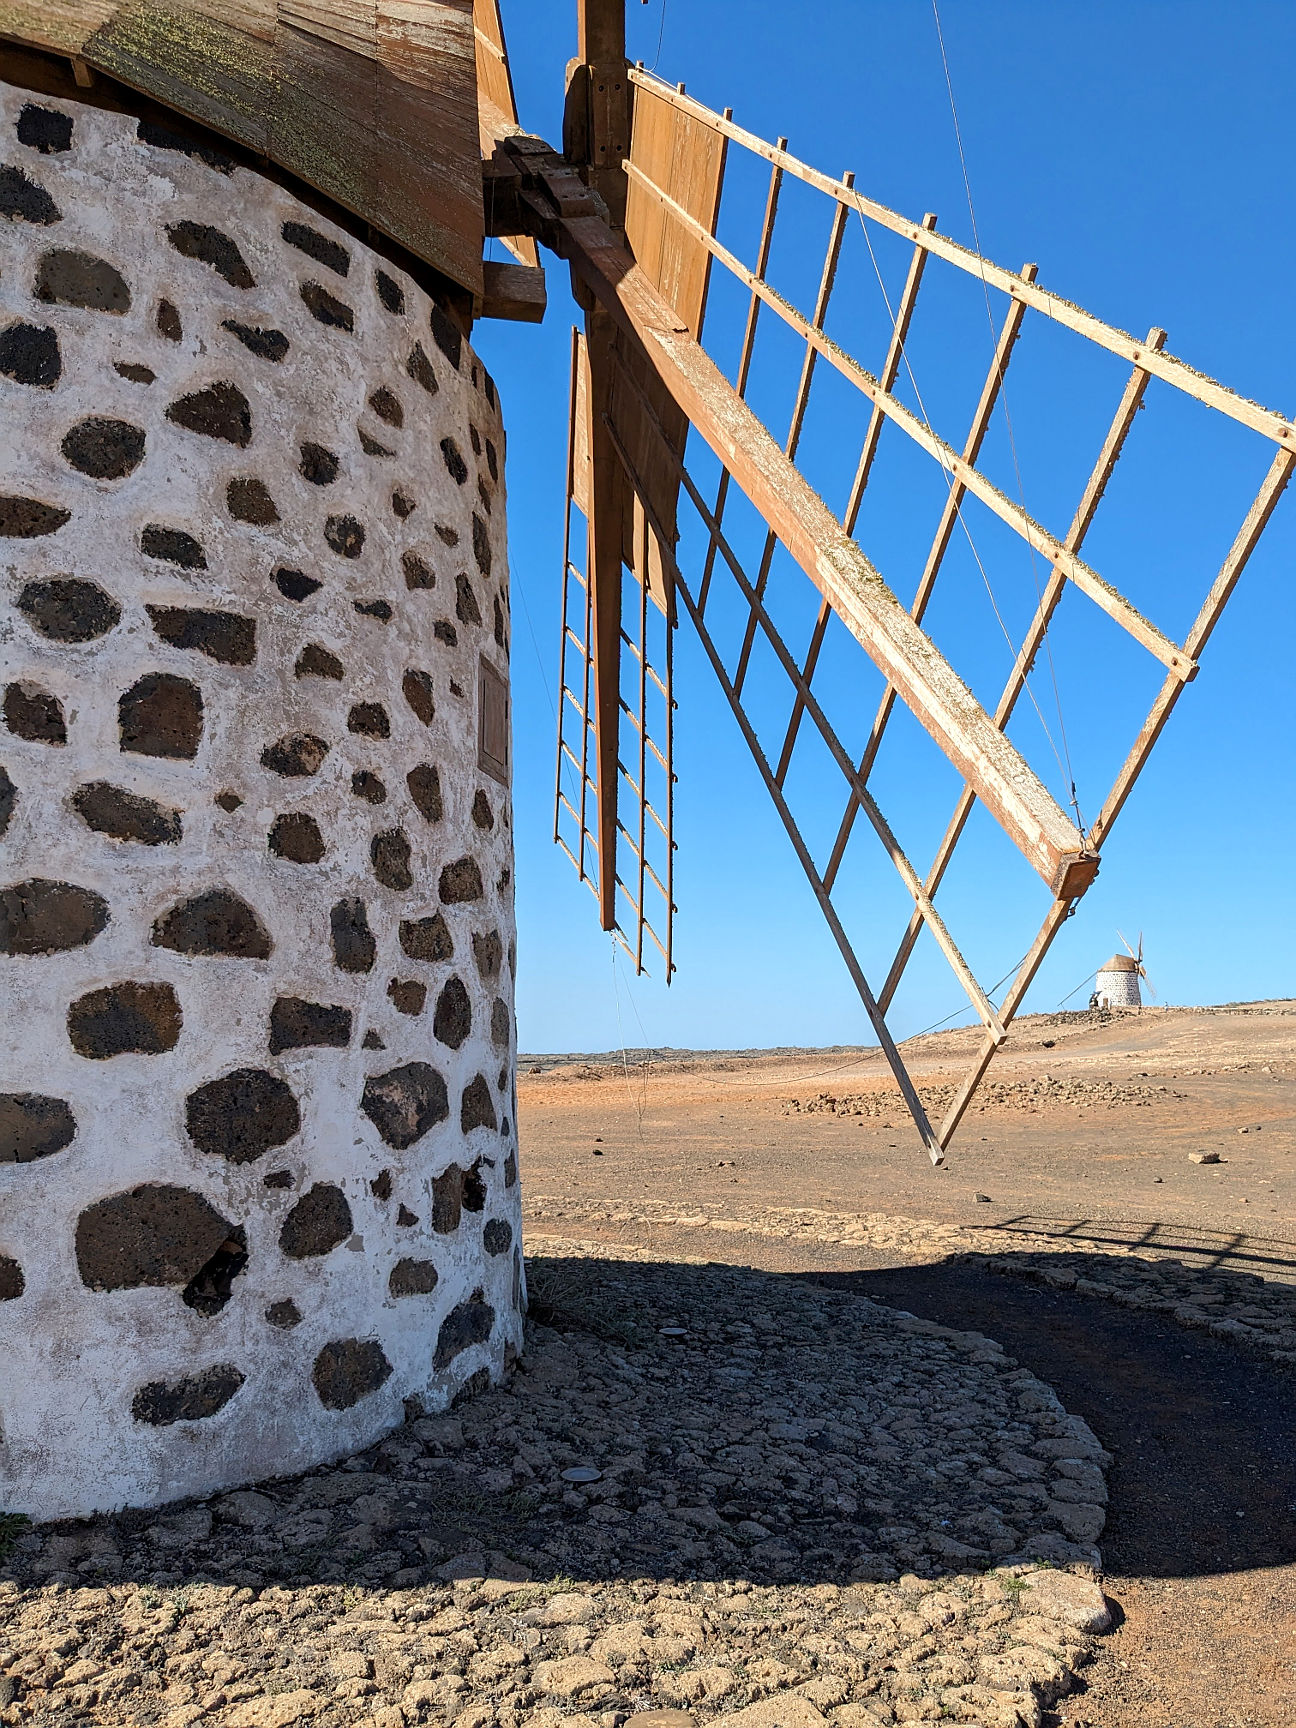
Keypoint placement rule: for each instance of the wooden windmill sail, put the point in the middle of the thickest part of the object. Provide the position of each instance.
(633, 205)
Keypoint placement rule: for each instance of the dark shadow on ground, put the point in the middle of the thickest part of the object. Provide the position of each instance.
(1203, 1432)
(757, 1424)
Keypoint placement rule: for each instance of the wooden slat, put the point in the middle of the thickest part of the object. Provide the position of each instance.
(990, 391)
(1163, 366)
(1039, 539)
(687, 157)
(495, 91)
(370, 102)
(1108, 456)
(941, 701)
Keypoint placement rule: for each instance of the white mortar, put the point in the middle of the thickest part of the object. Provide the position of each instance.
(75, 1358)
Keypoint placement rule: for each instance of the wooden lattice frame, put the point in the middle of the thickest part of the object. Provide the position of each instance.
(972, 738)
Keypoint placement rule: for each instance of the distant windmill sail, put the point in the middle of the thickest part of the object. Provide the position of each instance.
(635, 207)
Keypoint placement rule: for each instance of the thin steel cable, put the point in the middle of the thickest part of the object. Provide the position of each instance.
(1003, 400)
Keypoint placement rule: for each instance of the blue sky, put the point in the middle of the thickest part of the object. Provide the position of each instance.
(1140, 154)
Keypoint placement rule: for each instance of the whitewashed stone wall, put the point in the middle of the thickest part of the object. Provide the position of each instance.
(1118, 990)
(258, 1172)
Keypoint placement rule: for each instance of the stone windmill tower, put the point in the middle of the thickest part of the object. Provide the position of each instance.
(258, 1153)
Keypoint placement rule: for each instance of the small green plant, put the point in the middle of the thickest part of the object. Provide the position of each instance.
(1010, 1582)
(12, 1526)
(149, 1598)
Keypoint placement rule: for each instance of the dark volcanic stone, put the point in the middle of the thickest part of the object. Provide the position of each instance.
(299, 1025)
(44, 129)
(345, 536)
(220, 411)
(455, 464)
(68, 610)
(446, 334)
(33, 1126)
(317, 662)
(420, 369)
(492, 460)
(468, 1324)
(296, 584)
(23, 200)
(461, 882)
(369, 720)
(510, 1170)
(173, 546)
(354, 948)
(497, 1237)
(405, 1218)
(501, 1022)
(371, 1041)
(297, 838)
(381, 1186)
(29, 354)
(79, 279)
(452, 1019)
(405, 1103)
(148, 1238)
(386, 404)
(317, 246)
(34, 715)
(390, 292)
(325, 308)
(466, 608)
(348, 1370)
(477, 1109)
(227, 801)
(426, 938)
(248, 500)
(368, 786)
(403, 505)
(446, 535)
(374, 609)
(161, 138)
(29, 518)
(161, 715)
(285, 1315)
(412, 1278)
(265, 344)
(43, 917)
(8, 798)
(215, 923)
(168, 321)
(389, 853)
(424, 784)
(444, 631)
(488, 952)
(371, 446)
(136, 373)
(12, 1282)
(125, 815)
(192, 1399)
(225, 637)
(242, 1115)
(481, 811)
(447, 1200)
(416, 687)
(317, 1223)
(295, 756)
(408, 995)
(277, 1179)
(500, 636)
(481, 544)
(418, 572)
(318, 465)
(104, 449)
(210, 246)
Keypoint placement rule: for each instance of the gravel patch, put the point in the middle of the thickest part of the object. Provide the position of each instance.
(703, 1488)
(1245, 1307)
(1032, 1094)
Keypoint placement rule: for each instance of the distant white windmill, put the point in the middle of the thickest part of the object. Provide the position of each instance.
(1117, 983)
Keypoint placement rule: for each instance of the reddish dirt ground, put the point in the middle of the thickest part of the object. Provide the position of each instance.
(1201, 1540)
